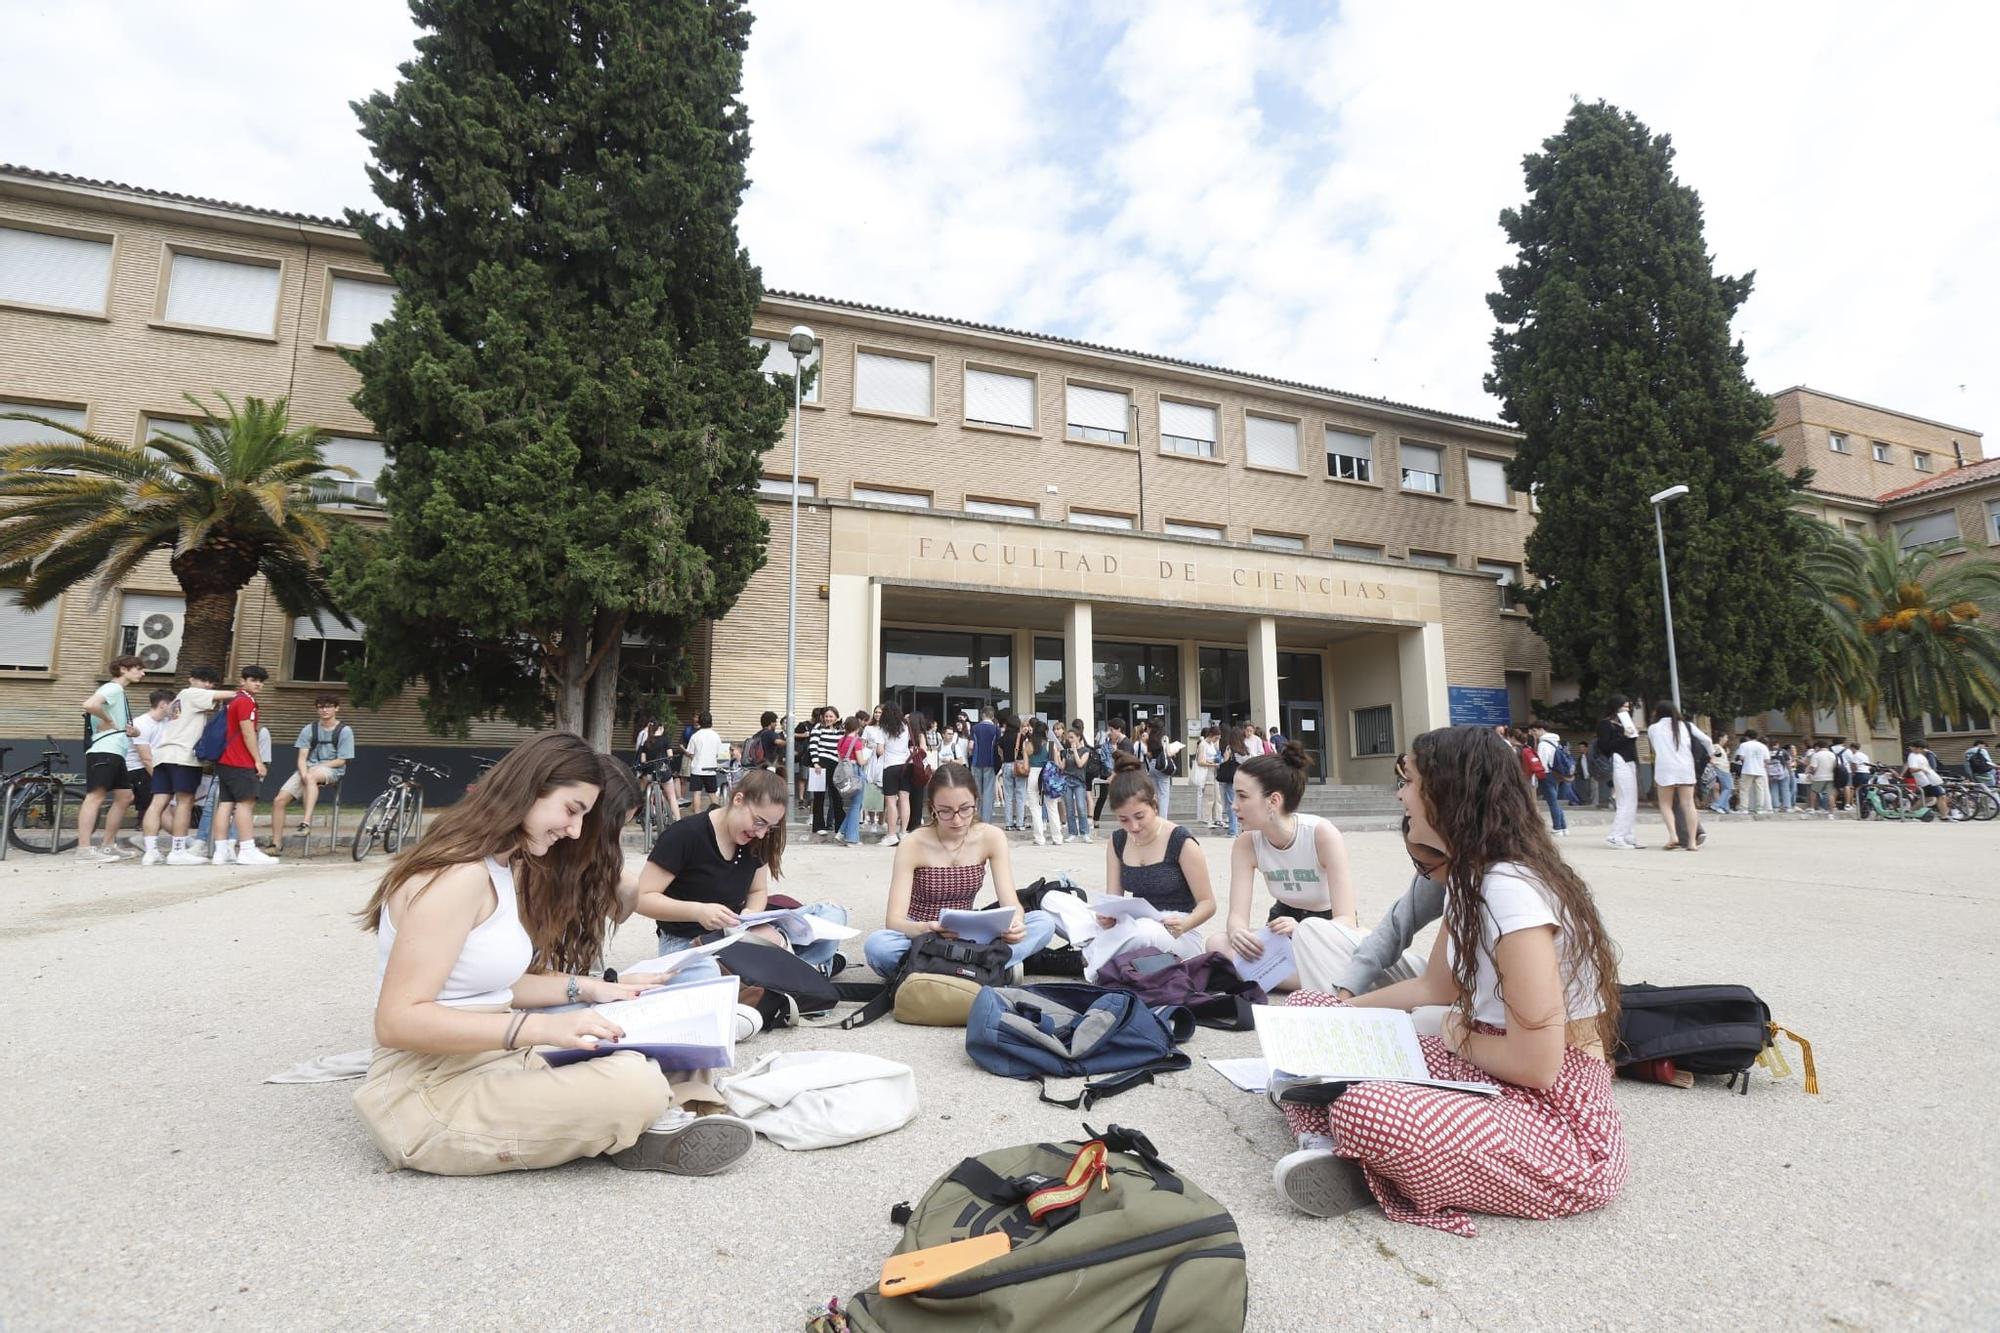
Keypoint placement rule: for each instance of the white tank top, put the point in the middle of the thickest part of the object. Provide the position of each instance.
(496, 953)
(1293, 874)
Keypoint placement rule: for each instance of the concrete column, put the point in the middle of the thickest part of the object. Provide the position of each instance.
(1262, 642)
(1079, 655)
(872, 618)
(1420, 660)
(1190, 690)
(853, 641)
(1024, 672)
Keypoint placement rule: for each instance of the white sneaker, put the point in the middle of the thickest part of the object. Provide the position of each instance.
(250, 854)
(1040, 843)
(154, 856)
(224, 855)
(200, 847)
(1317, 1181)
(186, 856)
(748, 1022)
(94, 856)
(700, 1146)
(892, 841)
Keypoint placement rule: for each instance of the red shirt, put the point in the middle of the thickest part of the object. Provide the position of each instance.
(241, 709)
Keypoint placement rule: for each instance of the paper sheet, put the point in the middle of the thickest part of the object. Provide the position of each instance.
(1125, 907)
(982, 927)
(1347, 1045)
(669, 963)
(1271, 966)
(816, 779)
(1249, 1074)
(684, 1027)
(798, 926)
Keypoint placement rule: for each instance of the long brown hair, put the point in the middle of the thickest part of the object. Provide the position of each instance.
(566, 897)
(1479, 801)
(760, 786)
(488, 823)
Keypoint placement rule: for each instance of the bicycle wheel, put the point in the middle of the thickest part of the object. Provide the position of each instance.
(43, 820)
(372, 823)
(1961, 805)
(1986, 804)
(657, 815)
(401, 824)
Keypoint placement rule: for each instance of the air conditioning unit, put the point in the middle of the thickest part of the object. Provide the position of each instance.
(152, 631)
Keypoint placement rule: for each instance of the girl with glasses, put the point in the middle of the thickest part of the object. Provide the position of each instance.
(941, 867)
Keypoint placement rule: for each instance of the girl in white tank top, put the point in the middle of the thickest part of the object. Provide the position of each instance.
(1301, 857)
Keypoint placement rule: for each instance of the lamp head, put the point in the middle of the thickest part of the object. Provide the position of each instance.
(801, 342)
(1671, 493)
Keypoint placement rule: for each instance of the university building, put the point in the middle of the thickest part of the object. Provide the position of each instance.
(986, 516)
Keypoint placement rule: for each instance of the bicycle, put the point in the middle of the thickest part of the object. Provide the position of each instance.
(1966, 800)
(42, 803)
(656, 811)
(396, 814)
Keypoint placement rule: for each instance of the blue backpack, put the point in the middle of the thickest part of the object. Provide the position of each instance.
(214, 737)
(1562, 765)
(1068, 1030)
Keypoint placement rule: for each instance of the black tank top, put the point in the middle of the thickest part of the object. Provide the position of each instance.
(1165, 885)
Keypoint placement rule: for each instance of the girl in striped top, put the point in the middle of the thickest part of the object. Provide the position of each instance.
(823, 752)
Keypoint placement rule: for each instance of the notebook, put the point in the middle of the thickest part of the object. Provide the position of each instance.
(684, 1027)
(1331, 1045)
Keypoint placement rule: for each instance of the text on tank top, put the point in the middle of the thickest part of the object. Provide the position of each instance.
(495, 955)
(1292, 874)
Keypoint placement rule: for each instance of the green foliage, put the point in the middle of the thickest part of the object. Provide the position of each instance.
(572, 409)
(1613, 354)
(1914, 631)
(241, 499)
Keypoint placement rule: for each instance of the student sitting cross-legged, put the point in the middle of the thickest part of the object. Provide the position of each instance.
(1530, 978)
(941, 867)
(1153, 858)
(456, 1086)
(1301, 856)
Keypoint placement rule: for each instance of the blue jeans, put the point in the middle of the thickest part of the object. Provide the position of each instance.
(704, 968)
(850, 824)
(1728, 784)
(1016, 787)
(1553, 796)
(884, 949)
(1163, 793)
(982, 780)
(1229, 817)
(1788, 791)
(819, 953)
(1076, 808)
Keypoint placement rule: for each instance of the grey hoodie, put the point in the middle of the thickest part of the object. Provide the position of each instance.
(1423, 904)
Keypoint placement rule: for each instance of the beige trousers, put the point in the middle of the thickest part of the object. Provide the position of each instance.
(473, 1115)
(1322, 950)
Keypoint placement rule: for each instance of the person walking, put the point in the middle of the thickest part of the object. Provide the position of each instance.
(1556, 769)
(1755, 781)
(1618, 741)
(984, 761)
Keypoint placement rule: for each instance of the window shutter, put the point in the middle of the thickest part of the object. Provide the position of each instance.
(1278, 541)
(1486, 479)
(995, 399)
(999, 509)
(65, 272)
(1271, 443)
(356, 307)
(1099, 409)
(1200, 530)
(221, 294)
(1930, 528)
(875, 495)
(1090, 520)
(27, 638)
(892, 384)
(328, 628)
(1187, 421)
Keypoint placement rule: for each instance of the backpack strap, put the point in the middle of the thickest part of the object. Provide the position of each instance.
(878, 1004)
(1112, 1084)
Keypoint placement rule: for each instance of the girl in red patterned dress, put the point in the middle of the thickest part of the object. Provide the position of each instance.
(1531, 979)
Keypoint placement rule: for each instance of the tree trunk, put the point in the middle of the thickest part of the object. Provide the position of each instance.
(207, 630)
(601, 701)
(570, 672)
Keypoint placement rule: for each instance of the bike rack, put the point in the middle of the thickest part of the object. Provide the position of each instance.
(6, 816)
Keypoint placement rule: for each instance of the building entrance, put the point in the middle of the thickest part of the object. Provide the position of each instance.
(941, 672)
(1156, 709)
(1306, 724)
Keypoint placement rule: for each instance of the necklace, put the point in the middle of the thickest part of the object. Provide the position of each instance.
(954, 853)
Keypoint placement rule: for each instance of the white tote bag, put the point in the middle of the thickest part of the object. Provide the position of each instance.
(821, 1099)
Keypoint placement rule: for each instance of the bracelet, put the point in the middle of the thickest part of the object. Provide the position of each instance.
(574, 993)
(514, 1027)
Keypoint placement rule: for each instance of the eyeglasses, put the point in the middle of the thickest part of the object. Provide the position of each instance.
(955, 813)
(1402, 771)
(762, 826)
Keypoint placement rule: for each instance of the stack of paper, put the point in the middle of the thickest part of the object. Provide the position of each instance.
(683, 1027)
(1305, 1043)
(1273, 966)
(798, 926)
(981, 927)
(1125, 907)
(657, 970)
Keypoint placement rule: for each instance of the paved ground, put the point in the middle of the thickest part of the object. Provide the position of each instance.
(156, 1182)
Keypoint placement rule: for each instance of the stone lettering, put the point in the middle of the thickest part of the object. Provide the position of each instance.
(1083, 564)
(979, 552)
(923, 548)
(1166, 570)
(1236, 577)
(951, 550)
(1111, 564)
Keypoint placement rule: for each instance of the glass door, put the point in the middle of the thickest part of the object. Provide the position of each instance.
(1306, 724)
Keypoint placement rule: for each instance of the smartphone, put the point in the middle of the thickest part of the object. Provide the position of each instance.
(921, 1269)
(1145, 967)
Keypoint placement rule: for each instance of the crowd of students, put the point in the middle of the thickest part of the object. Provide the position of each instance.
(492, 930)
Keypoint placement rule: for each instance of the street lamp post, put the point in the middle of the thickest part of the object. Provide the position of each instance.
(800, 343)
(1666, 594)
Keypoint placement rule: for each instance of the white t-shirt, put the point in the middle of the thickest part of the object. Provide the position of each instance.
(894, 749)
(1254, 745)
(1673, 765)
(1516, 900)
(150, 728)
(1755, 755)
(177, 738)
(1917, 762)
(1822, 765)
(704, 748)
(1857, 760)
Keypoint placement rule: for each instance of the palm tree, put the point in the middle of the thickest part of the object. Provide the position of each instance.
(238, 499)
(1912, 631)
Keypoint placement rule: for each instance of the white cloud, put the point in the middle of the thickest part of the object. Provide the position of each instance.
(1308, 194)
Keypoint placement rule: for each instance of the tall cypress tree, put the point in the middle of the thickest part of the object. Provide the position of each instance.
(573, 411)
(1614, 356)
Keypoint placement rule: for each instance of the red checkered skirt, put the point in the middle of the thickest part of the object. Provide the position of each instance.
(1432, 1157)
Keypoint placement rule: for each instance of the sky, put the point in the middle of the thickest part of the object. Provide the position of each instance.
(1309, 191)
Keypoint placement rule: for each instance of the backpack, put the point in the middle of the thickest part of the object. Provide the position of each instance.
(756, 753)
(967, 965)
(1531, 763)
(1069, 1030)
(214, 737)
(1562, 765)
(319, 735)
(1977, 760)
(1054, 781)
(1702, 1029)
(1206, 986)
(777, 983)
(1699, 753)
(1842, 774)
(1105, 1235)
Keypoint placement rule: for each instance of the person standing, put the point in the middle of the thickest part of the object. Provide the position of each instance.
(1548, 745)
(1778, 768)
(1722, 761)
(1013, 774)
(1618, 740)
(1819, 773)
(823, 752)
(1920, 765)
(985, 761)
(895, 749)
(1076, 782)
(853, 751)
(1161, 766)
(1035, 750)
(109, 713)
(1207, 791)
(1979, 763)
(1233, 756)
(1674, 741)
(1754, 780)
(237, 775)
(704, 751)
(149, 725)
(1108, 750)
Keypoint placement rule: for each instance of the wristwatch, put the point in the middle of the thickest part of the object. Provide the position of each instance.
(574, 994)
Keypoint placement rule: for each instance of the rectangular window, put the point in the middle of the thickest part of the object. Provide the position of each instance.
(366, 457)
(1278, 541)
(1486, 481)
(1423, 468)
(1208, 532)
(1993, 520)
(59, 272)
(1269, 442)
(778, 360)
(1375, 730)
(995, 398)
(149, 628)
(999, 508)
(1102, 416)
(895, 384)
(782, 487)
(1090, 518)
(1929, 530)
(354, 306)
(1881, 452)
(1856, 528)
(1350, 457)
(1357, 551)
(1503, 574)
(1187, 428)
(880, 496)
(224, 294)
(1920, 461)
(27, 638)
(1836, 441)
(319, 651)
(28, 432)
(1434, 560)
(1975, 720)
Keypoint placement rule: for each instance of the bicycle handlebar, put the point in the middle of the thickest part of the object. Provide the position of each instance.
(404, 764)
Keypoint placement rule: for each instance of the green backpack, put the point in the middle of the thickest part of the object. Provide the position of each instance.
(1105, 1236)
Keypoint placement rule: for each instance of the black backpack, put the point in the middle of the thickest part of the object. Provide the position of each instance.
(1702, 1029)
(982, 964)
(1978, 761)
(791, 986)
